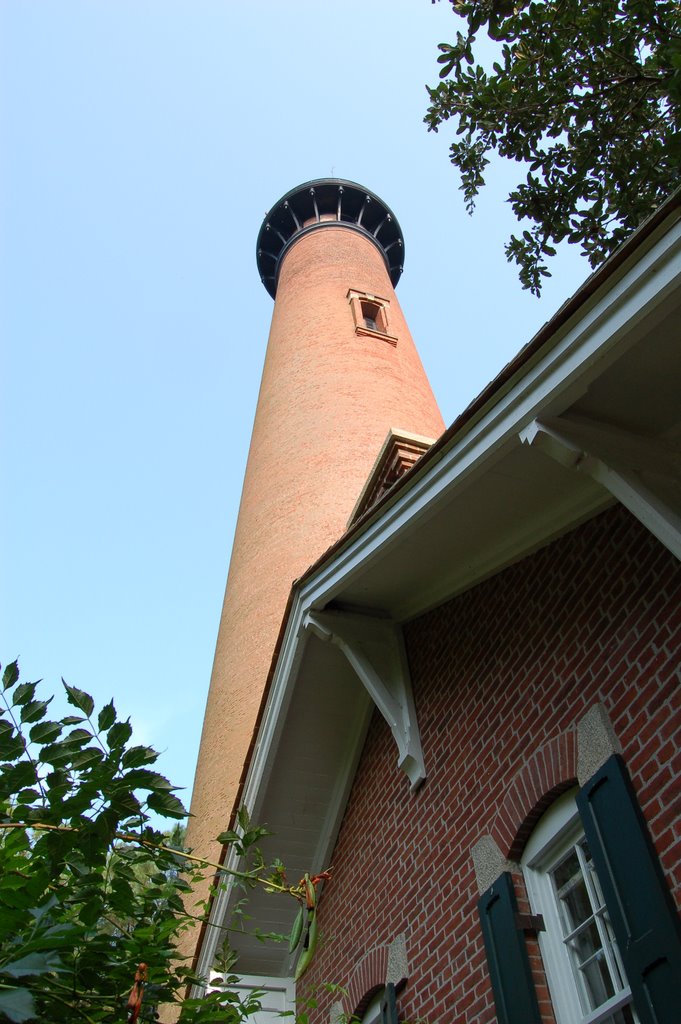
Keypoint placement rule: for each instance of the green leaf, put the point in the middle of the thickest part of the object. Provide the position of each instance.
(80, 699)
(167, 804)
(34, 963)
(20, 776)
(119, 734)
(34, 710)
(77, 737)
(105, 825)
(137, 756)
(126, 804)
(11, 744)
(57, 779)
(16, 842)
(142, 778)
(57, 754)
(23, 694)
(91, 911)
(229, 837)
(27, 796)
(17, 1004)
(106, 717)
(86, 758)
(39, 913)
(10, 675)
(45, 732)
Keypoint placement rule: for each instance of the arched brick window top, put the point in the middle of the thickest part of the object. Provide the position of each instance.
(367, 977)
(548, 772)
(383, 967)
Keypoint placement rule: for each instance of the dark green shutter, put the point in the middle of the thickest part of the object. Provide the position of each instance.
(507, 959)
(389, 1005)
(643, 916)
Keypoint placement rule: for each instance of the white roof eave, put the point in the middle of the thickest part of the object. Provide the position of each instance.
(473, 466)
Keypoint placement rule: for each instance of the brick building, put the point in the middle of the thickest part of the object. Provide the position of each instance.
(473, 707)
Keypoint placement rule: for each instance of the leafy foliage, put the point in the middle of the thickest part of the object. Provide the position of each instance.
(88, 888)
(585, 92)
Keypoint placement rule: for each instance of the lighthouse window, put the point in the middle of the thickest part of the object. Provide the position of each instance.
(371, 313)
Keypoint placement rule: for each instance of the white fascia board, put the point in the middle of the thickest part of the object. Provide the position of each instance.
(213, 934)
(258, 774)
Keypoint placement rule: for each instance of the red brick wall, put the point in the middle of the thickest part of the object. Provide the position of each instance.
(497, 673)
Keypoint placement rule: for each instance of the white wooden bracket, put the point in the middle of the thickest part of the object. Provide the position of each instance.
(374, 647)
(643, 473)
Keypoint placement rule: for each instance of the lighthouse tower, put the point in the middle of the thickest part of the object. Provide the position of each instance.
(341, 371)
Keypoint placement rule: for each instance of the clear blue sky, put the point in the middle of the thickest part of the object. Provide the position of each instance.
(142, 144)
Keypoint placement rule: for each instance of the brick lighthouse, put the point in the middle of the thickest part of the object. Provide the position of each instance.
(341, 371)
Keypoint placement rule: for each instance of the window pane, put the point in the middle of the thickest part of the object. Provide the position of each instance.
(586, 943)
(598, 986)
(585, 930)
(623, 1016)
(571, 891)
(593, 877)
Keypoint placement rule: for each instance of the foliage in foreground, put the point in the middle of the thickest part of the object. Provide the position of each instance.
(89, 889)
(588, 93)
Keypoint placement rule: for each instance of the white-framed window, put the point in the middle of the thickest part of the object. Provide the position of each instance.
(583, 966)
